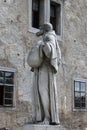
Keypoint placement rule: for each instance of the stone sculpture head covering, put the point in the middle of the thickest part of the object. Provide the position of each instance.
(46, 27)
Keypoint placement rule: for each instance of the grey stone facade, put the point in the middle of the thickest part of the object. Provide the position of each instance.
(15, 42)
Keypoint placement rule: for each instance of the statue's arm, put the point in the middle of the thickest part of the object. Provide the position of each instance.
(47, 49)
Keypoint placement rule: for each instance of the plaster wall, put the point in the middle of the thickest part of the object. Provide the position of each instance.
(15, 42)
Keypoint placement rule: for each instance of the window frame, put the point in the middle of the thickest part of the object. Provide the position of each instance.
(73, 101)
(6, 107)
(46, 16)
(60, 2)
(35, 13)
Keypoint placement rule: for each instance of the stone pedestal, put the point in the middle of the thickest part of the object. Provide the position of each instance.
(42, 127)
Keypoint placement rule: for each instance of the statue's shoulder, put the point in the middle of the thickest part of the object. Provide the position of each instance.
(51, 34)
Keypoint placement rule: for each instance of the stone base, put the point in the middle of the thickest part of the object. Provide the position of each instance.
(42, 127)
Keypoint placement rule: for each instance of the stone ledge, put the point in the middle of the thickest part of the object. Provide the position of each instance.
(42, 127)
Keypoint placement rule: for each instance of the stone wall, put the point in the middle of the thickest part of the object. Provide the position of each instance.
(15, 42)
(74, 59)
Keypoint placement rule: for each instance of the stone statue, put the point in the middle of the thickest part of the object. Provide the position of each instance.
(45, 89)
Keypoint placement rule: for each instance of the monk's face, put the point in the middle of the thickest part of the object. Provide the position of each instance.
(47, 27)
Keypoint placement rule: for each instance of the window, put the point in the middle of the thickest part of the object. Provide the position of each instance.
(35, 13)
(6, 88)
(79, 94)
(42, 11)
(55, 16)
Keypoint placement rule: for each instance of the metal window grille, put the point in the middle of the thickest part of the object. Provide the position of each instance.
(79, 95)
(6, 88)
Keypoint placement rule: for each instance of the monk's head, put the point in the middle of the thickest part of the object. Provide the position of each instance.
(44, 28)
(48, 27)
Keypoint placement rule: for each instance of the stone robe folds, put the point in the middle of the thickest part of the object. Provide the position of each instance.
(45, 79)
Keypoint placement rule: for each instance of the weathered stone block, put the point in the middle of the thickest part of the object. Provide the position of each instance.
(42, 127)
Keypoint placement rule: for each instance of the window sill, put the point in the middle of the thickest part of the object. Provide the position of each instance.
(7, 108)
(35, 30)
(80, 110)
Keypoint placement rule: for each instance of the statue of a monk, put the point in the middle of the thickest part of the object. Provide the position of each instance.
(45, 89)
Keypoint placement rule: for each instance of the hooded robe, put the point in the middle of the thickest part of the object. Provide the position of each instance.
(45, 79)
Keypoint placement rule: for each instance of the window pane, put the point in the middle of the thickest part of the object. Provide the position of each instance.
(1, 74)
(83, 85)
(8, 102)
(35, 5)
(8, 95)
(83, 105)
(82, 97)
(1, 94)
(6, 91)
(77, 86)
(35, 13)
(77, 105)
(52, 11)
(9, 75)
(9, 81)
(55, 16)
(8, 88)
(77, 95)
(1, 79)
(77, 100)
